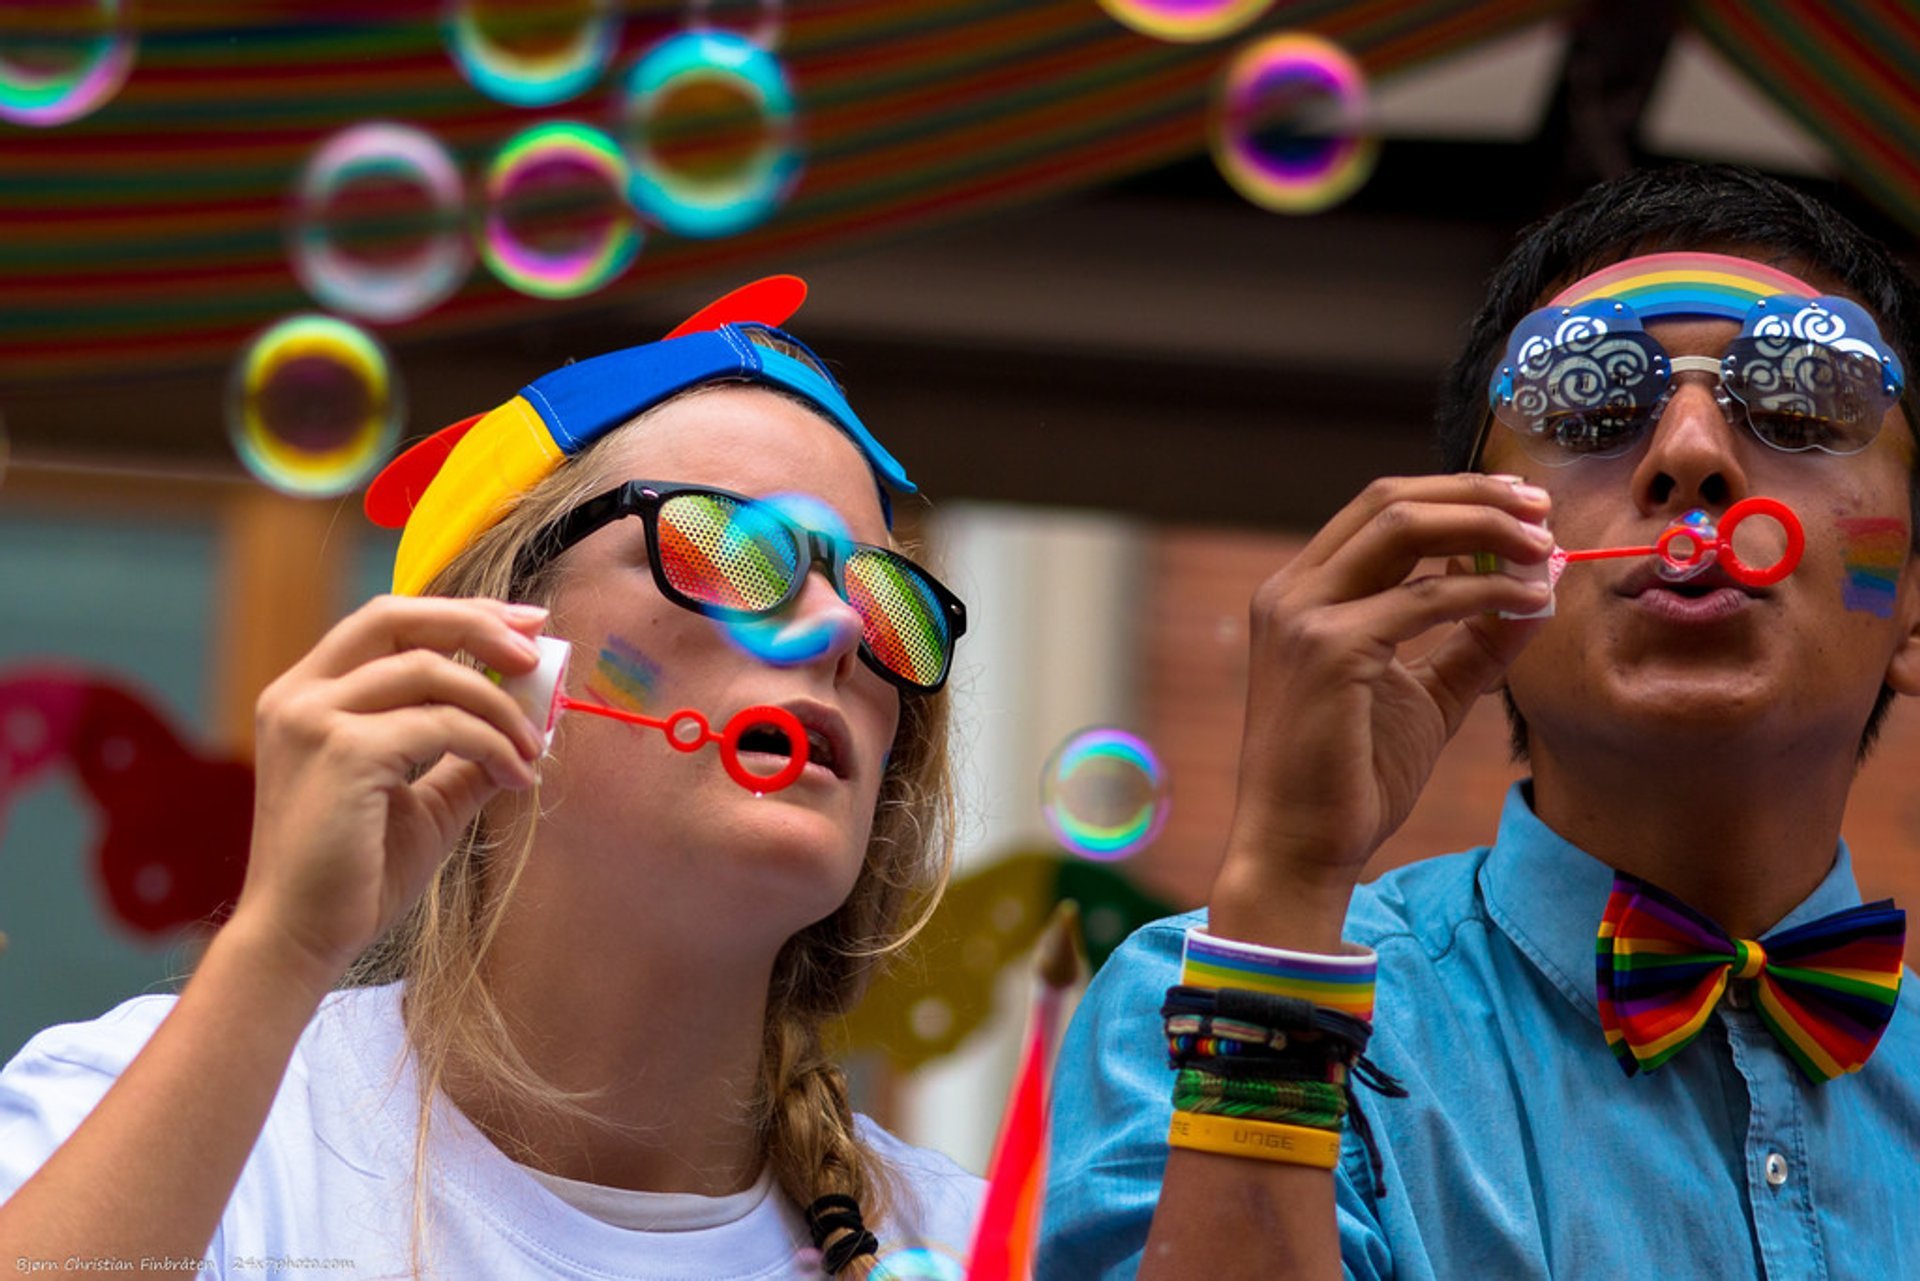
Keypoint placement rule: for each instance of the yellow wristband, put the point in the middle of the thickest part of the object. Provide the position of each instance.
(1261, 1140)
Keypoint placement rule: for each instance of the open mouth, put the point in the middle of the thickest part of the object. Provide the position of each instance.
(773, 742)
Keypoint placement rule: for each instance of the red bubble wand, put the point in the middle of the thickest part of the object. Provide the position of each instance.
(1685, 548)
(685, 730)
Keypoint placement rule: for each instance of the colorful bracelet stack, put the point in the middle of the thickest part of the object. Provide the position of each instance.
(1267, 1044)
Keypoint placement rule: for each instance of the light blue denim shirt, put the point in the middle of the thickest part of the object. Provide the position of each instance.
(1523, 1150)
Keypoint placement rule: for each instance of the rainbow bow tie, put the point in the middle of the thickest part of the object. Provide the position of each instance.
(1824, 989)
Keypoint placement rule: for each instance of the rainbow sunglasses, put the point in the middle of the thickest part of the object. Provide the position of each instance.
(448, 489)
(1581, 377)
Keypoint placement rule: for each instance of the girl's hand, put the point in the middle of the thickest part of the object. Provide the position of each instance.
(343, 842)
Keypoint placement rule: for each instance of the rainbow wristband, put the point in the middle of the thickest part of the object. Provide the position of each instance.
(1343, 983)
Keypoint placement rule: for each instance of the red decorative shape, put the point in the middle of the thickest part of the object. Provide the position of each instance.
(391, 496)
(176, 826)
(771, 300)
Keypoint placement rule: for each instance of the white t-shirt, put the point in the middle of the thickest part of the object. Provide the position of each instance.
(328, 1190)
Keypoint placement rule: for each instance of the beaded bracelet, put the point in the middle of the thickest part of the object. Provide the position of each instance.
(1262, 1140)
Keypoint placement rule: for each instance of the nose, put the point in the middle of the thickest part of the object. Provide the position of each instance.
(1695, 458)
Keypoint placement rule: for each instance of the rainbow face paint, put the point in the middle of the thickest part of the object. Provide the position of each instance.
(1873, 550)
(1270, 90)
(624, 676)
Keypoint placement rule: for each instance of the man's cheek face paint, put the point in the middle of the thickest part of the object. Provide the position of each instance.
(783, 640)
(1872, 550)
(624, 676)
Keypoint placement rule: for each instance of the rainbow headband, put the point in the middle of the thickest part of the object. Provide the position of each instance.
(450, 488)
(1685, 284)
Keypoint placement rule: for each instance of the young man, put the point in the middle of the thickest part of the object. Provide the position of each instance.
(1654, 353)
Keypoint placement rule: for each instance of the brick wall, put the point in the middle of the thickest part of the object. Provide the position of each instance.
(1195, 661)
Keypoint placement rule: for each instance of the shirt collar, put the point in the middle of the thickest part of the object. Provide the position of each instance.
(1547, 894)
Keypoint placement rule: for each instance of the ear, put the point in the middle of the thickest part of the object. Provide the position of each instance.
(1903, 670)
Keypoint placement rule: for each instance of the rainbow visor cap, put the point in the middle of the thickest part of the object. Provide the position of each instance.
(1581, 377)
(450, 488)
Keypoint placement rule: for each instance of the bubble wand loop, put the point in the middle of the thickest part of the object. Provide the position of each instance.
(1687, 550)
(688, 731)
(539, 694)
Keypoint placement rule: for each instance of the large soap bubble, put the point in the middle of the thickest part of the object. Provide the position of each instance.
(557, 224)
(377, 227)
(708, 123)
(314, 406)
(531, 54)
(62, 59)
(1288, 125)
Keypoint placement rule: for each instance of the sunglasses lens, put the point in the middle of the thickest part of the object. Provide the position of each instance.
(728, 554)
(904, 625)
(1580, 391)
(1808, 396)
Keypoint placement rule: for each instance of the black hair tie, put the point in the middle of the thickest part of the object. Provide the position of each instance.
(837, 1212)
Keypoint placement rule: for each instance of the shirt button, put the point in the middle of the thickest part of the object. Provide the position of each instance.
(1776, 1169)
(1737, 993)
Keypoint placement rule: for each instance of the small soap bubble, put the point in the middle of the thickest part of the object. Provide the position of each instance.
(708, 123)
(557, 223)
(783, 639)
(1185, 20)
(1287, 124)
(62, 59)
(531, 53)
(919, 1263)
(1690, 547)
(760, 21)
(313, 406)
(1104, 794)
(378, 223)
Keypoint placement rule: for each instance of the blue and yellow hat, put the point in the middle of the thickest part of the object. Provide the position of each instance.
(450, 488)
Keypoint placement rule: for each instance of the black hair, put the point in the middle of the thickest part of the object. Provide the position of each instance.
(1677, 207)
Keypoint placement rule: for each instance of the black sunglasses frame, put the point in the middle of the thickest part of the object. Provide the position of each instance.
(644, 498)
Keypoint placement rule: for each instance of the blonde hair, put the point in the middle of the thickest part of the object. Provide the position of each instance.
(458, 1031)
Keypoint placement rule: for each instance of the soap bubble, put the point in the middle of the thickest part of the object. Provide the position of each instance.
(1689, 546)
(784, 639)
(708, 123)
(377, 228)
(1104, 794)
(313, 406)
(1286, 125)
(919, 1263)
(531, 53)
(557, 223)
(62, 59)
(761, 23)
(1185, 19)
